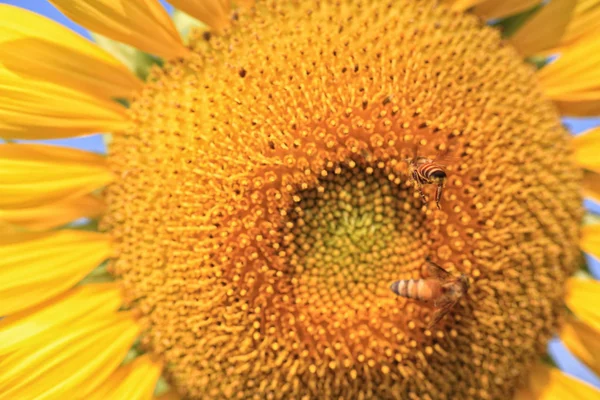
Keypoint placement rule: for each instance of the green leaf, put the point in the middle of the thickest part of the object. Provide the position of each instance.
(88, 224)
(583, 273)
(98, 275)
(133, 353)
(122, 101)
(185, 22)
(107, 139)
(136, 60)
(548, 360)
(161, 387)
(538, 61)
(510, 25)
(590, 219)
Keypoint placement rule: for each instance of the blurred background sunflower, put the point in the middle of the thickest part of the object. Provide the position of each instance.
(239, 237)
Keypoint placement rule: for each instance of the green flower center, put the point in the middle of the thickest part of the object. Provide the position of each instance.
(349, 237)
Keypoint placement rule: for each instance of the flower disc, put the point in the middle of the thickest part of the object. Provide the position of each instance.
(263, 206)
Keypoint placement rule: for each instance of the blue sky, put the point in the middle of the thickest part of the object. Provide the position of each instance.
(94, 143)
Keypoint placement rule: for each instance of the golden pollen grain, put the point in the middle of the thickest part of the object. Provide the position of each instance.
(264, 206)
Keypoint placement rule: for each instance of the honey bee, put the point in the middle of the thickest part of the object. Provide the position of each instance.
(440, 289)
(425, 171)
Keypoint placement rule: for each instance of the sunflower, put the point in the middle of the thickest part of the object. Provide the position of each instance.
(240, 236)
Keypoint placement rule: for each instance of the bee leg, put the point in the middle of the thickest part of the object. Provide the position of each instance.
(415, 177)
(438, 195)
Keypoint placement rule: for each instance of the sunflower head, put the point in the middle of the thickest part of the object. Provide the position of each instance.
(272, 178)
(265, 206)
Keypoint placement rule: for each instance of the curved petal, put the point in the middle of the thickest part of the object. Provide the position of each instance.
(574, 78)
(524, 394)
(41, 49)
(214, 13)
(88, 301)
(591, 186)
(545, 29)
(489, 9)
(551, 384)
(134, 381)
(587, 149)
(590, 240)
(583, 342)
(33, 175)
(35, 267)
(582, 299)
(585, 21)
(578, 104)
(31, 109)
(142, 23)
(86, 352)
(56, 214)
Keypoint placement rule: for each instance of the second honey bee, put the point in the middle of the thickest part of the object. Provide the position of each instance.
(439, 289)
(425, 171)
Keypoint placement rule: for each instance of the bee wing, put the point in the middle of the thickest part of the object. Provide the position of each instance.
(415, 151)
(446, 154)
(433, 270)
(441, 312)
(445, 158)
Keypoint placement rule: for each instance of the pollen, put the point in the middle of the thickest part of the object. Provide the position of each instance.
(263, 206)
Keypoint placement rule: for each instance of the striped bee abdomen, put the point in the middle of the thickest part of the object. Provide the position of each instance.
(408, 288)
(430, 171)
(417, 289)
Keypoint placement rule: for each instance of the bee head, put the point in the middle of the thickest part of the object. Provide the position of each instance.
(464, 281)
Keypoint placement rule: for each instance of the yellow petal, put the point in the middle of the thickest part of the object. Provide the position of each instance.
(41, 49)
(582, 299)
(587, 149)
(544, 29)
(551, 384)
(34, 175)
(591, 186)
(214, 13)
(578, 105)
(88, 301)
(32, 109)
(6, 228)
(524, 394)
(590, 241)
(583, 342)
(134, 381)
(56, 214)
(35, 267)
(574, 78)
(56, 367)
(142, 23)
(503, 8)
(585, 21)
